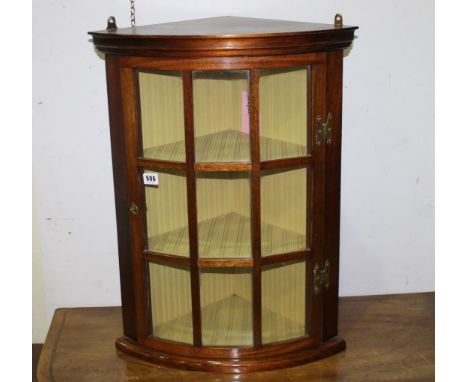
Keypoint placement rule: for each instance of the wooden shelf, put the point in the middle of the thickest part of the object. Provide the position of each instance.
(169, 152)
(226, 146)
(230, 324)
(227, 236)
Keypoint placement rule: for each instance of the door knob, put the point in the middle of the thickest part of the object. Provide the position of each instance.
(134, 209)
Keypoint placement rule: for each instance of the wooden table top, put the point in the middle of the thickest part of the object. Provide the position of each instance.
(388, 338)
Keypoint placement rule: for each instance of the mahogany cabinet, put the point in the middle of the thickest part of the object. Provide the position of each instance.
(226, 139)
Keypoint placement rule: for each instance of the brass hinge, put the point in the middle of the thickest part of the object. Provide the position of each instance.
(324, 130)
(321, 277)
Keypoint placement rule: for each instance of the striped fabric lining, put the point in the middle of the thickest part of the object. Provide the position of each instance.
(226, 146)
(227, 236)
(228, 322)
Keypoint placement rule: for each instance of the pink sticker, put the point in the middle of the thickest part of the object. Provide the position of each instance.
(245, 112)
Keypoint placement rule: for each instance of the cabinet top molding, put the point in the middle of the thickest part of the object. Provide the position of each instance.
(223, 36)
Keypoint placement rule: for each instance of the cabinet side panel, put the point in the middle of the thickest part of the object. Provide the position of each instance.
(119, 165)
(332, 199)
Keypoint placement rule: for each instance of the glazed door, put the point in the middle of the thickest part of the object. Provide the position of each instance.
(227, 187)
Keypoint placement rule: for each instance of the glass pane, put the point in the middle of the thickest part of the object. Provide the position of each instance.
(166, 215)
(171, 303)
(283, 302)
(283, 113)
(162, 115)
(283, 210)
(223, 210)
(226, 306)
(221, 116)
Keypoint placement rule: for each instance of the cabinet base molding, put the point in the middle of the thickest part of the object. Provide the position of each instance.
(232, 365)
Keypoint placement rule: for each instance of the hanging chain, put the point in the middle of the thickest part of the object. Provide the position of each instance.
(132, 12)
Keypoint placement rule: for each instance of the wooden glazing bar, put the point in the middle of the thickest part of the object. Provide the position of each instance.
(160, 164)
(309, 186)
(310, 130)
(286, 257)
(287, 162)
(131, 119)
(138, 119)
(223, 166)
(308, 296)
(310, 110)
(256, 217)
(149, 316)
(144, 226)
(164, 258)
(142, 203)
(315, 300)
(309, 259)
(192, 207)
(138, 142)
(225, 263)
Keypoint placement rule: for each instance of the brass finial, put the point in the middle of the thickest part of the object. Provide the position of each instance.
(338, 21)
(111, 23)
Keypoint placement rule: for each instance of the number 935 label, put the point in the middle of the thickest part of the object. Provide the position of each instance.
(151, 178)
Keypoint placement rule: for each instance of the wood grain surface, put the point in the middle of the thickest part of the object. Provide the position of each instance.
(241, 98)
(221, 26)
(223, 36)
(389, 338)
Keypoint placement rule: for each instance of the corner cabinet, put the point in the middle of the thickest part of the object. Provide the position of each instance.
(226, 137)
